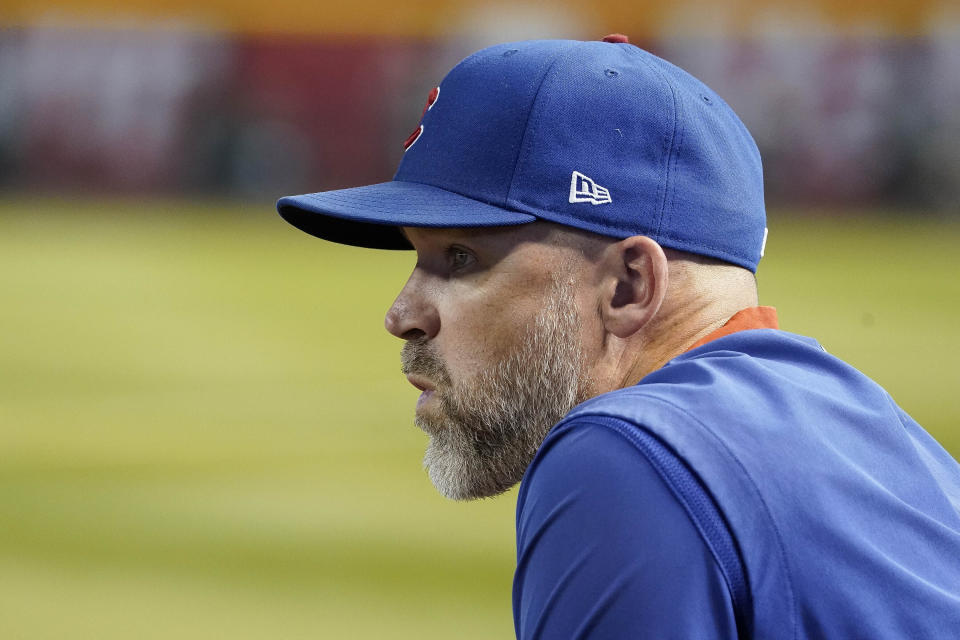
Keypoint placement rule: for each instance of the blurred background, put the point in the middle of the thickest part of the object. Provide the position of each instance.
(203, 428)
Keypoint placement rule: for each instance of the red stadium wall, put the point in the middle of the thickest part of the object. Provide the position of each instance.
(840, 118)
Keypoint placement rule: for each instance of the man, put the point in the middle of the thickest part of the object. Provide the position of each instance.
(583, 315)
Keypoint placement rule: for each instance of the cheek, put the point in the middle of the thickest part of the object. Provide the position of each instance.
(474, 336)
(592, 337)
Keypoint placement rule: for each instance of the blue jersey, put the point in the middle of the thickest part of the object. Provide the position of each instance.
(754, 487)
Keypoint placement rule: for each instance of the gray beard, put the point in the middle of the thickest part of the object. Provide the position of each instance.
(488, 428)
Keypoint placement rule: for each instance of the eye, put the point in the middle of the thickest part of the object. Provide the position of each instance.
(459, 258)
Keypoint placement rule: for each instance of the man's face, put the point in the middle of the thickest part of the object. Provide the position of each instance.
(494, 341)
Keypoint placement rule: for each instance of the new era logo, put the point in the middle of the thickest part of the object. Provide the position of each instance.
(583, 189)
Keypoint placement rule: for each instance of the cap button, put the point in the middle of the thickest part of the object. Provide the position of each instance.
(616, 38)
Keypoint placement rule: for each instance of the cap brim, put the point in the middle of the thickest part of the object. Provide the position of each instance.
(371, 216)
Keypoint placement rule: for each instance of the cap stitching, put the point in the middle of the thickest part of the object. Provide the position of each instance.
(679, 135)
(531, 125)
(673, 134)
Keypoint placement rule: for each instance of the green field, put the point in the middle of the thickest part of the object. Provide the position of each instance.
(205, 434)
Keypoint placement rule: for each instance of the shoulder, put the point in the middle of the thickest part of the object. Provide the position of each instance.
(591, 456)
(603, 527)
(588, 454)
(614, 475)
(604, 476)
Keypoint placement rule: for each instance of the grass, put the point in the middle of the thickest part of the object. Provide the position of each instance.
(205, 433)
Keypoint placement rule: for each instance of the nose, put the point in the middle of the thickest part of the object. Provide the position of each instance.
(413, 314)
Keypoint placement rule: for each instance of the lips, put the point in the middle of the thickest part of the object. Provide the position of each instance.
(420, 382)
(426, 388)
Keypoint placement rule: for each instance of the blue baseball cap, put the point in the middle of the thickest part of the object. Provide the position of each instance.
(601, 136)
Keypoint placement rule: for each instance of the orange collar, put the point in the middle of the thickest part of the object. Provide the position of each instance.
(750, 318)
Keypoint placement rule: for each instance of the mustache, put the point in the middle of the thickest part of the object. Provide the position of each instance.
(420, 357)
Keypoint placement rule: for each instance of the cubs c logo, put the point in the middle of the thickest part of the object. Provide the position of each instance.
(413, 137)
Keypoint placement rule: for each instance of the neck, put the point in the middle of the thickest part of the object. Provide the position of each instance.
(674, 332)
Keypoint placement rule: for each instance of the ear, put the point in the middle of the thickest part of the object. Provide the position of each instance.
(634, 285)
